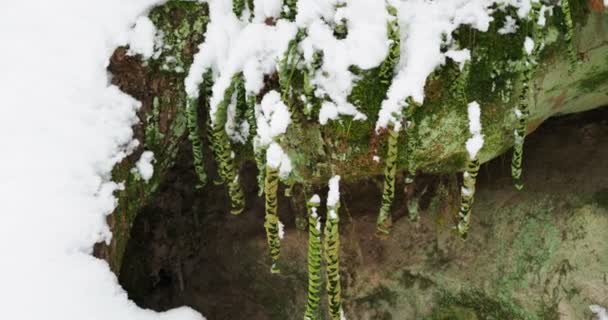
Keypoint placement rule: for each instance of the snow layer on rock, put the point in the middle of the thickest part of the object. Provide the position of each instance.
(424, 25)
(142, 38)
(62, 129)
(365, 46)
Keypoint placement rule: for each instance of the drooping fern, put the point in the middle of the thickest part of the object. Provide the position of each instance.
(238, 6)
(467, 197)
(314, 259)
(224, 154)
(569, 36)
(332, 258)
(522, 113)
(411, 141)
(311, 102)
(271, 219)
(394, 51)
(195, 140)
(522, 110)
(384, 221)
(286, 68)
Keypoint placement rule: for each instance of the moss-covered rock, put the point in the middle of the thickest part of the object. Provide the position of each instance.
(347, 147)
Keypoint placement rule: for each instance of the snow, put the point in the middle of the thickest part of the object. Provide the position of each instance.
(273, 118)
(425, 24)
(144, 165)
(315, 199)
(528, 45)
(599, 311)
(365, 46)
(142, 37)
(459, 56)
(329, 111)
(232, 46)
(276, 158)
(333, 195)
(62, 129)
(475, 143)
(264, 9)
(281, 230)
(510, 26)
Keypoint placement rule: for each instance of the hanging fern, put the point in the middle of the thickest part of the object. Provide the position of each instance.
(522, 114)
(569, 36)
(384, 221)
(412, 140)
(271, 223)
(314, 259)
(238, 6)
(311, 102)
(394, 50)
(224, 154)
(522, 110)
(287, 67)
(467, 197)
(332, 258)
(195, 140)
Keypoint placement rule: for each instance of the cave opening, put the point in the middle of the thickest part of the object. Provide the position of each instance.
(187, 249)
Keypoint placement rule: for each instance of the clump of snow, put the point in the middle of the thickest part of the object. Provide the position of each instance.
(376, 159)
(459, 56)
(273, 118)
(276, 158)
(63, 127)
(329, 111)
(542, 20)
(333, 195)
(510, 26)
(142, 38)
(528, 45)
(599, 311)
(144, 165)
(281, 230)
(313, 211)
(475, 143)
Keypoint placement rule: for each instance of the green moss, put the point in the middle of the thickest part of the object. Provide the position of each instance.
(593, 79)
(475, 304)
(535, 243)
(182, 25)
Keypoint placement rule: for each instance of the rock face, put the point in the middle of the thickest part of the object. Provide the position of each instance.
(534, 254)
(346, 147)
